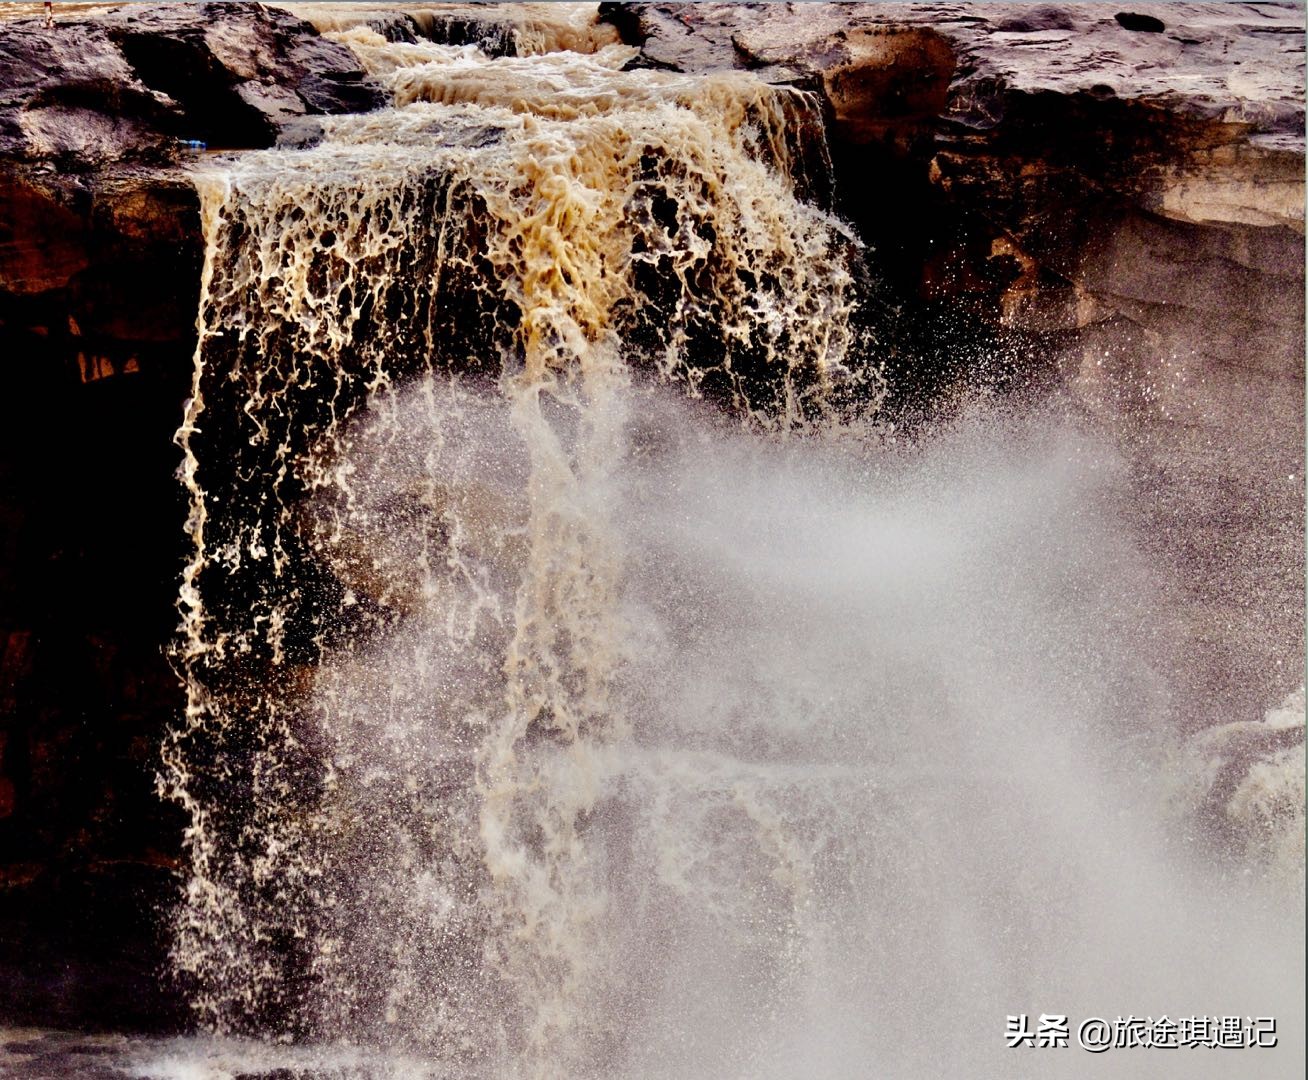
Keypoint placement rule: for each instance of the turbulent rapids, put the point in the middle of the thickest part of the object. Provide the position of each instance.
(582, 681)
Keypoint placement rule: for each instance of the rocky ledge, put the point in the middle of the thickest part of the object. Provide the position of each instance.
(1016, 112)
(99, 238)
(130, 83)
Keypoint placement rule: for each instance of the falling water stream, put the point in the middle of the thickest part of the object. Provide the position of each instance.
(583, 682)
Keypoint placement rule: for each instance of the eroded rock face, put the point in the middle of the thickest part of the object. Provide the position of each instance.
(99, 242)
(1017, 110)
(100, 257)
(103, 264)
(128, 84)
(1120, 193)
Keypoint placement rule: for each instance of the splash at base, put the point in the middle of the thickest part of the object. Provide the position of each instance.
(546, 720)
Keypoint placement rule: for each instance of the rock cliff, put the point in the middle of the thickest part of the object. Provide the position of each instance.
(100, 255)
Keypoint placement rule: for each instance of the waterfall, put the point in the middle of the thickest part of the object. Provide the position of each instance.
(580, 680)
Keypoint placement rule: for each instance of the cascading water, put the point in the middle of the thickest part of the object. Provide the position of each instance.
(545, 719)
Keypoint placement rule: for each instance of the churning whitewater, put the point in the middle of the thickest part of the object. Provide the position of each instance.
(583, 683)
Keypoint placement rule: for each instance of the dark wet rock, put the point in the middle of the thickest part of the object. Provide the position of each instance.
(100, 256)
(71, 95)
(88, 522)
(62, 1055)
(1146, 24)
(111, 263)
(130, 83)
(491, 28)
(99, 227)
(684, 37)
(85, 950)
(495, 37)
(99, 235)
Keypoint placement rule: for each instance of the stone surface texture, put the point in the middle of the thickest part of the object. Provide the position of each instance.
(130, 83)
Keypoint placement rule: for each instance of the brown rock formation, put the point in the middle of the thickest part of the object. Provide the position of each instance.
(100, 256)
(127, 84)
(99, 240)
